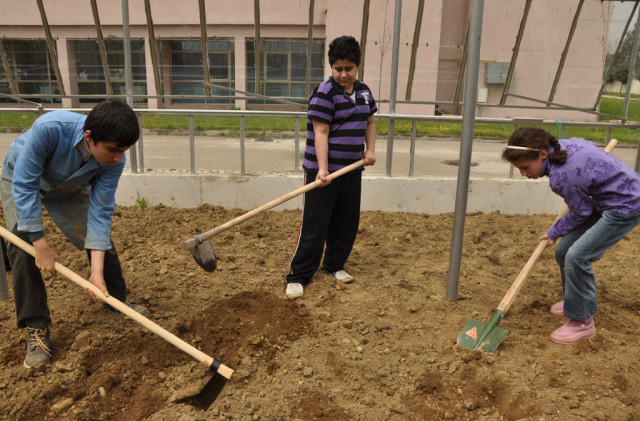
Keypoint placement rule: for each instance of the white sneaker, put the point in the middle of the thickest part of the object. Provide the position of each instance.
(294, 290)
(343, 276)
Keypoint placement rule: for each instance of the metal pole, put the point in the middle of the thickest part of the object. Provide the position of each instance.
(516, 50)
(297, 146)
(615, 55)
(140, 144)
(363, 37)
(128, 79)
(414, 49)
(152, 47)
(101, 48)
(8, 71)
(464, 163)
(242, 167)
(256, 44)
(412, 151)
(307, 85)
(631, 76)
(397, 19)
(563, 58)
(461, 69)
(204, 48)
(50, 47)
(192, 144)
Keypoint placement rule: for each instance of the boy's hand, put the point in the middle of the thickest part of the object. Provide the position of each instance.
(97, 280)
(46, 258)
(323, 175)
(369, 157)
(97, 275)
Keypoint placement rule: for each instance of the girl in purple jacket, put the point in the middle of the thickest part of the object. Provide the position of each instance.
(603, 196)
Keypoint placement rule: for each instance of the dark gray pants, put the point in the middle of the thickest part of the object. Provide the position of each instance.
(29, 291)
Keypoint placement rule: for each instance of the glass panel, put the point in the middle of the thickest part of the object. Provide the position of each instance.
(297, 89)
(299, 45)
(276, 45)
(186, 45)
(32, 65)
(186, 66)
(277, 66)
(277, 89)
(298, 66)
(219, 45)
(92, 88)
(317, 67)
(89, 66)
(219, 66)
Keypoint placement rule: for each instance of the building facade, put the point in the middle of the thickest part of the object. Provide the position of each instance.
(430, 53)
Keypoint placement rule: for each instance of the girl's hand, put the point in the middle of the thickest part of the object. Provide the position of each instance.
(550, 241)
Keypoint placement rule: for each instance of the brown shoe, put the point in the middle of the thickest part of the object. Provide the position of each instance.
(38, 347)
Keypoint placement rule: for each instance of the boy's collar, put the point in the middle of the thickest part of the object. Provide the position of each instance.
(336, 85)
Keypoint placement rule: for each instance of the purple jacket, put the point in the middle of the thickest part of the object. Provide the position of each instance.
(591, 179)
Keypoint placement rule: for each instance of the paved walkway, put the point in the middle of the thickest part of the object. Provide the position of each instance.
(433, 157)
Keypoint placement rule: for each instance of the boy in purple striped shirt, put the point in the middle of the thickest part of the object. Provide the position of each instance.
(603, 196)
(340, 131)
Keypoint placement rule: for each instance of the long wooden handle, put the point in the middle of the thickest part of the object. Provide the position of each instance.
(506, 302)
(192, 242)
(123, 308)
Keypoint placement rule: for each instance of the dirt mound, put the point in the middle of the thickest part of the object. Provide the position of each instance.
(381, 348)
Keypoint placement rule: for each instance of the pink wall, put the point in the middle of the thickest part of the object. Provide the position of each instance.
(442, 35)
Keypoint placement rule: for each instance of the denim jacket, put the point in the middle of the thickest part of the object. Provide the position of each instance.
(44, 167)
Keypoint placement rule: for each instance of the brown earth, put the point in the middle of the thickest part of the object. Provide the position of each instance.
(381, 348)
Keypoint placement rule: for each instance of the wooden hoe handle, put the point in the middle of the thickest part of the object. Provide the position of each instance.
(192, 242)
(126, 310)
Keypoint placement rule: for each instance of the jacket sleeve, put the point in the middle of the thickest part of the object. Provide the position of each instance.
(28, 168)
(580, 205)
(102, 202)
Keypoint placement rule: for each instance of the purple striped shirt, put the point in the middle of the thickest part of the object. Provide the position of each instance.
(347, 121)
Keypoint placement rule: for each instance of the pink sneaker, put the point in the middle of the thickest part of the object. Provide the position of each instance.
(574, 331)
(558, 309)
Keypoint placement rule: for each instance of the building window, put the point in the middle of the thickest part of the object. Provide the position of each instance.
(32, 70)
(283, 67)
(91, 80)
(187, 71)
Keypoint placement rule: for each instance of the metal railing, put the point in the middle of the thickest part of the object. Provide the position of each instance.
(137, 162)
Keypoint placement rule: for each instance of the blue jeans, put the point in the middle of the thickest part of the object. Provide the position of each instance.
(576, 252)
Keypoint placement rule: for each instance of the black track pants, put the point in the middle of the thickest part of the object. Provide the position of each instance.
(331, 216)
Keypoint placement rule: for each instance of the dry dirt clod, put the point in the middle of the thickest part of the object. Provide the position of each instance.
(62, 405)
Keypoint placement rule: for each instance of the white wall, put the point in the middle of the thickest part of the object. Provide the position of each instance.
(420, 195)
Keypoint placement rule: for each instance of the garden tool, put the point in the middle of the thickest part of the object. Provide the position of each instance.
(203, 252)
(487, 337)
(221, 371)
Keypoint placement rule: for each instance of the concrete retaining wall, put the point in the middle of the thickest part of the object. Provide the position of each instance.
(419, 195)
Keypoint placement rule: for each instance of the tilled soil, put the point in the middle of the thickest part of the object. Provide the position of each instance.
(380, 348)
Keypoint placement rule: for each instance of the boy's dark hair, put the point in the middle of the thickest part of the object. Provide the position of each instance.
(344, 48)
(531, 137)
(113, 121)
